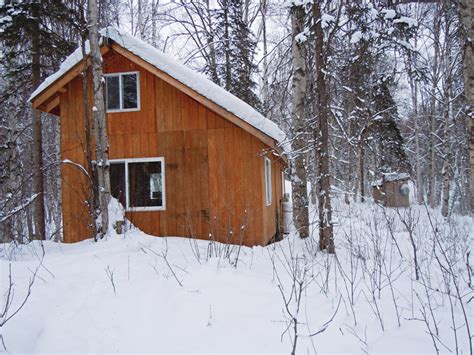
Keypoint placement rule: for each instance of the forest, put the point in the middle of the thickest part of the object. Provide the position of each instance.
(365, 91)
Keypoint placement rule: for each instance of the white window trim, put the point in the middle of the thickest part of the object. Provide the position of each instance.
(127, 187)
(268, 181)
(119, 74)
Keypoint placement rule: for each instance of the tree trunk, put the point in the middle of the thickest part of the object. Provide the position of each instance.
(153, 22)
(361, 168)
(447, 115)
(414, 98)
(299, 130)
(212, 47)
(326, 236)
(93, 192)
(265, 88)
(140, 19)
(228, 69)
(99, 121)
(467, 18)
(432, 195)
(38, 176)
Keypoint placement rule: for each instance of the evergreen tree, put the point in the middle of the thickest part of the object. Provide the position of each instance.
(32, 35)
(235, 48)
(385, 132)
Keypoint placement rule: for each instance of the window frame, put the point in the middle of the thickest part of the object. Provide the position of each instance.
(126, 161)
(268, 181)
(121, 109)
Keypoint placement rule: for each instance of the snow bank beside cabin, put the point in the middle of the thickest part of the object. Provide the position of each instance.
(196, 81)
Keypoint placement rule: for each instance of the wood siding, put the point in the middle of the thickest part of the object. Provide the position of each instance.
(214, 169)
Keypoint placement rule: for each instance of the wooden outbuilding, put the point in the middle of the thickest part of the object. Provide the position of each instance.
(392, 190)
(187, 157)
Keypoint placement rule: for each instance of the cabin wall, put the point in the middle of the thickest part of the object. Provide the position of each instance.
(74, 182)
(214, 171)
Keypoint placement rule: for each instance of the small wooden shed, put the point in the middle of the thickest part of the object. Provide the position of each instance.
(187, 157)
(392, 190)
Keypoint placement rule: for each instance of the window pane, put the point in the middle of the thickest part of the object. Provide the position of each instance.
(117, 181)
(113, 95)
(268, 181)
(145, 184)
(129, 91)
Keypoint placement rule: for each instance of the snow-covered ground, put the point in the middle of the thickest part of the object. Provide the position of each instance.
(182, 295)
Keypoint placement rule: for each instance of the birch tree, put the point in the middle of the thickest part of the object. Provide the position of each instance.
(299, 124)
(99, 121)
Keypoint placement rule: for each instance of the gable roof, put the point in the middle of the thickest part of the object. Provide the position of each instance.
(190, 78)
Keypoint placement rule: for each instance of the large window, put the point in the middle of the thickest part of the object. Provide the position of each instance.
(268, 181)
(139, 184)
(122, 91)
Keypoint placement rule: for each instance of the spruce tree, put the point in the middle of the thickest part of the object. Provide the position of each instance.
(235, 51)
(32, 49)
(383, 126)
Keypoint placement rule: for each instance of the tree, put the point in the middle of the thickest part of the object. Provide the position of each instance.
(466, 8)
(99, 121)
(235, 49)
(299, 130)
(28, 31)
(321, 133)
(383, 126)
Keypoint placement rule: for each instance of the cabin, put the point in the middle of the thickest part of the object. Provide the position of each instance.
(392, 190)
(187, 158)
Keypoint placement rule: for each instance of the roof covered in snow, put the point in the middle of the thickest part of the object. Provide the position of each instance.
(391, 177)
(192, 79)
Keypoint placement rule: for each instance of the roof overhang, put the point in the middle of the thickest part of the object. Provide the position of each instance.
(48, 100)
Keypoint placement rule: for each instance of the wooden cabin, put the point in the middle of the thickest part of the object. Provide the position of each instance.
(187, 157)
(392, 190)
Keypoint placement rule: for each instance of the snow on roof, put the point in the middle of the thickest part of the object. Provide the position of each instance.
(391, 177)
(194, 80)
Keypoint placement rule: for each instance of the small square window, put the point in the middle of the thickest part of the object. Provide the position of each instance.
(122, 92)
(139, 184)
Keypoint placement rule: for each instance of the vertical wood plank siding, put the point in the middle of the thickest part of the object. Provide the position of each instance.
(214, 169)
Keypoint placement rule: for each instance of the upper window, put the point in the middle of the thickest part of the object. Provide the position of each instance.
(122, 91)
(268, 181)
(139, 184)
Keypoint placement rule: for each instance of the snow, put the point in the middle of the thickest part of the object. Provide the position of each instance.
(407, 20)
(389, 14)
(391, 177)
(196, 81)
(290, 3)
(326, 20)
(17, 209)
(356, 37)
(303, 36)
(172, 296)
(5, 19)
